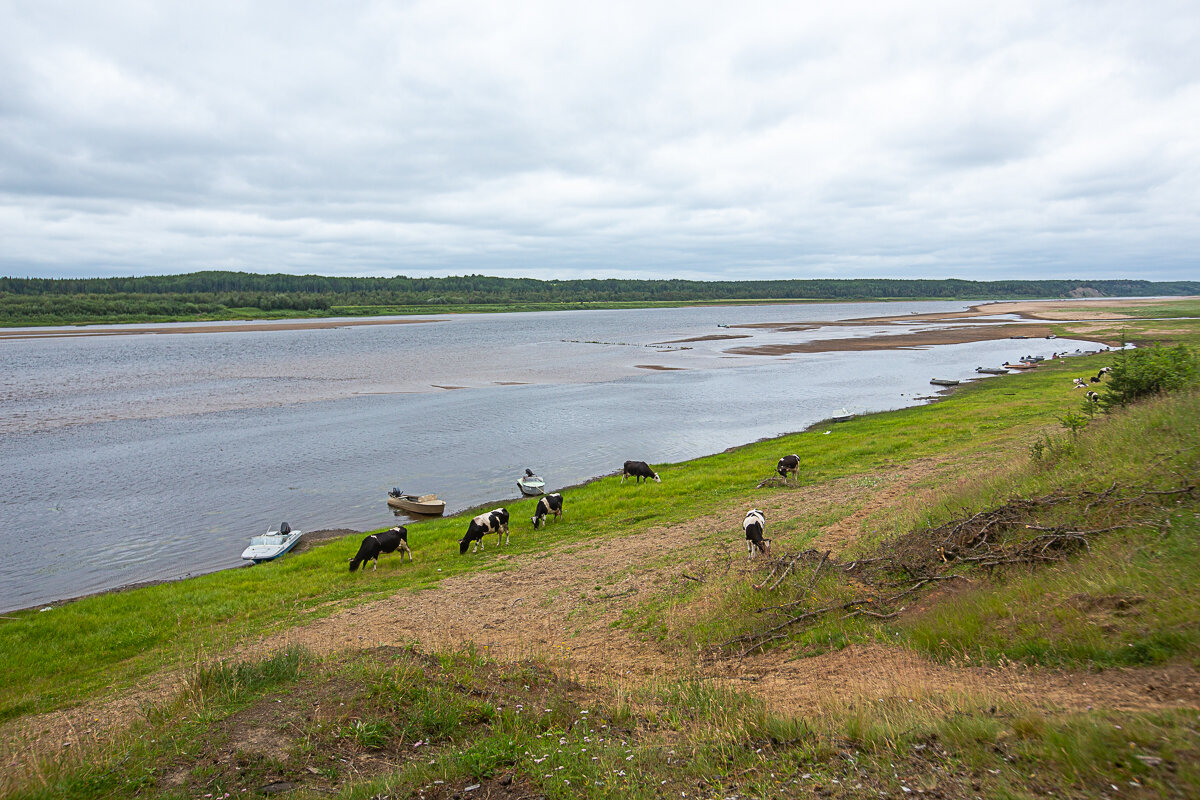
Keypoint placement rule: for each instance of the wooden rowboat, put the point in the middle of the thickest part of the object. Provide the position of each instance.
(1020, 365)
(428, 504)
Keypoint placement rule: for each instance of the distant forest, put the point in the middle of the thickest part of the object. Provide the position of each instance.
(214, 295)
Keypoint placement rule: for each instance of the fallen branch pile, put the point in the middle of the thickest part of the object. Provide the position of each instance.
(1007, 535)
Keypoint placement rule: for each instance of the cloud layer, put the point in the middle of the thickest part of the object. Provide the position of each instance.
(705, 140)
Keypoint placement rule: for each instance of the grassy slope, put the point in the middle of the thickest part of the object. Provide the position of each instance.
(954, 743)
(110, 640)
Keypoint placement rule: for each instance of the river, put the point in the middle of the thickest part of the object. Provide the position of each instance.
(130, 457)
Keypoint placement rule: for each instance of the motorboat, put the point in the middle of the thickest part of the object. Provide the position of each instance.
(531, 484)
(992, 370)
(272, 544)
(845, 416)
(943, 382)
(427, 504)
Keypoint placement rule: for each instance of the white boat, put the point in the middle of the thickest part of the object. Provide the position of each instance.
(845, 416)
(992, 370)
(272, 544)
(531, 484)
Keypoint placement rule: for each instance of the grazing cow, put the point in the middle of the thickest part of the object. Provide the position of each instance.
(754, 525)
(1093, 396)
(788, 464)
(387, 542)
(1096, 378)
(547, 504)
(495, 521)
(639, 470)
(1079, 383)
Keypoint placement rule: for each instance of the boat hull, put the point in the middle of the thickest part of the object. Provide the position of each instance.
(531, 487)
(270, 546)
(416, 505)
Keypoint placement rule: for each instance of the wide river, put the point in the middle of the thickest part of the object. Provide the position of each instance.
(128, 458)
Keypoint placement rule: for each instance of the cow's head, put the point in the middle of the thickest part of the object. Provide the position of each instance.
(656, 478)
(782, 470)
(535, 519)
(463, 544)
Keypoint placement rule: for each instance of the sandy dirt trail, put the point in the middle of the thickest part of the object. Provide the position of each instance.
(561, 605)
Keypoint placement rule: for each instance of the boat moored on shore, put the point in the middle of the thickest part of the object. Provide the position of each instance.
(272, 544)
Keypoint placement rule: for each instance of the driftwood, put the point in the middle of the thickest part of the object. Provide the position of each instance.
(1006, 535)
(773, 480)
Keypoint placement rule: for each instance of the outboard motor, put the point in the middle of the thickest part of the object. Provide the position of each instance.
(395, 492)
(284, 529)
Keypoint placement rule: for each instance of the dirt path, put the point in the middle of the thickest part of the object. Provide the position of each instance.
(562, 605)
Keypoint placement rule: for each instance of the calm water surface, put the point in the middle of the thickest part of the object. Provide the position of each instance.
(129, 458)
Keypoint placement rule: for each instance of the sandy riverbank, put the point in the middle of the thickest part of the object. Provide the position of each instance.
(231, 327)
(1060, 310)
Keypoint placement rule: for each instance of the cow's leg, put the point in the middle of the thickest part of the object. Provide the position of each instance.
(749, 550)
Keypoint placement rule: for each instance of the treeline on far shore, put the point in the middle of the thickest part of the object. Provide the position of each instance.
(214, 295)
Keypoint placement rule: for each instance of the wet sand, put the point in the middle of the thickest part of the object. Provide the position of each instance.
(232, 327)
(1048, 310)
(985, 328)
(958, 335)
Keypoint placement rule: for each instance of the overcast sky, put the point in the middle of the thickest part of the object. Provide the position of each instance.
(730, 140)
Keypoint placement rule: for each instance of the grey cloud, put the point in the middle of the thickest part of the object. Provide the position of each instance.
(767, 141)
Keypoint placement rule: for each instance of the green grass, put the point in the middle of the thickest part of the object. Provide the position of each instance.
(109, 641)
(1129, 602)
(396, 722)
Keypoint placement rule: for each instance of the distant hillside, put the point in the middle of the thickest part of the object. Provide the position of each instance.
(229, 295)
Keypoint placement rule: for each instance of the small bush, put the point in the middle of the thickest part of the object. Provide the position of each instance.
(1142, 373)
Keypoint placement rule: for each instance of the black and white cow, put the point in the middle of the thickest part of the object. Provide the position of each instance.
(754, 525)
(788, 464)
(639, 470)
(495, 521)
(387, 542)
(547, 504)
(1093, 396)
